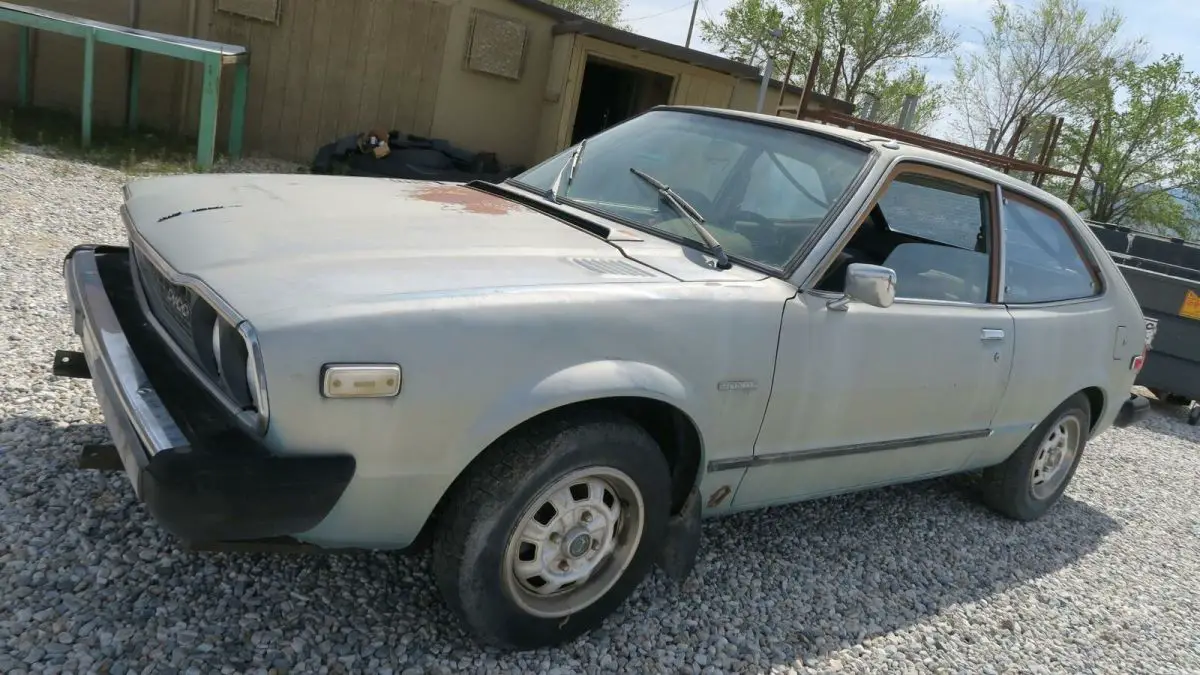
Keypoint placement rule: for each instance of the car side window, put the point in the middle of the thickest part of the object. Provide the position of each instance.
(1043, 261)
(937, 239)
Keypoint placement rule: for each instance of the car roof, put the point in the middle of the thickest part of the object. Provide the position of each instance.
(891, 148)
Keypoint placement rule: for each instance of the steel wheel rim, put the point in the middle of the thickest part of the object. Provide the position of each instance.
(573, 542)
(1055, 456)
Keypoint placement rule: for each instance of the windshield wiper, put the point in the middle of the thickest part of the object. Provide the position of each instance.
(569, 169)
(689, 214)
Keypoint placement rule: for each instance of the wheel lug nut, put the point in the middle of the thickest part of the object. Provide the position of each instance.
(555, 537)
(564, 565)
(595, 544)
(586, 516)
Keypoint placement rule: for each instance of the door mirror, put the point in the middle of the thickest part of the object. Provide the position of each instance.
(870, 284)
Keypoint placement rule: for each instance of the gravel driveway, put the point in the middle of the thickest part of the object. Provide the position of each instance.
(916, 578)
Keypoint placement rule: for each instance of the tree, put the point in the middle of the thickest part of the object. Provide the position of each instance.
(1144, 168)
(1044, 60)
(890, 90)
(603, 11)
(744, 27)
(881, 37)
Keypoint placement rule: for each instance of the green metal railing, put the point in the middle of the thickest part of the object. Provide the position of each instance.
(212, 55)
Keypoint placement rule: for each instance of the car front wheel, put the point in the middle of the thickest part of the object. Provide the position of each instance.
(552, 529)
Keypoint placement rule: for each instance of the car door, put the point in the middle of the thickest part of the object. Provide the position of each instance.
(873, 395)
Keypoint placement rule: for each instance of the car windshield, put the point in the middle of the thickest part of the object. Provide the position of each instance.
(761, 189)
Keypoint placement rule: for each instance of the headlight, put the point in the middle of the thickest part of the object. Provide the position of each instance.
(239, 366)
(256, 376)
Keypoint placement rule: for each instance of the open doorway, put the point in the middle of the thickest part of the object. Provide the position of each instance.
(611, 93)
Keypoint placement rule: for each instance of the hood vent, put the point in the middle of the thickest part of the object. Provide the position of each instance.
(611, 268)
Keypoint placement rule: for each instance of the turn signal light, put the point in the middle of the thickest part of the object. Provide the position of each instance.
(360, 380)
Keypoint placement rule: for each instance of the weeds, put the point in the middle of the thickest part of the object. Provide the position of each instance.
(140, 153)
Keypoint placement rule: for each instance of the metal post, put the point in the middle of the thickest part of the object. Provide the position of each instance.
(691, 23)
(133, 69)
(908, 112)
(768, 68)
(210, 99)
(24, 65)
(809, 84)
(89, 73)
(1083, 159)
(837, 72)
(869, 105)
(237, 119)
(783, 85)
(1056, 125)
(1010, 150)
(135, 87)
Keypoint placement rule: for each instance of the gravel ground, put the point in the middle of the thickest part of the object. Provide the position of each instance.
(911, 579)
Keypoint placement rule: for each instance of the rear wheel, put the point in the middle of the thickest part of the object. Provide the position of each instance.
(1034, 477)
(551, 530)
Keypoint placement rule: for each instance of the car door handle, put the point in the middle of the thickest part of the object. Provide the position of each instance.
(991, 334)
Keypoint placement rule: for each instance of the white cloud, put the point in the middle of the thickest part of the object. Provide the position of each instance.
(1168, 25)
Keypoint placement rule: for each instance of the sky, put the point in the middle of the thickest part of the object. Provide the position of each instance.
(1168, 26)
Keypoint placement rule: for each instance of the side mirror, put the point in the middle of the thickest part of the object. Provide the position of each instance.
(870, 284)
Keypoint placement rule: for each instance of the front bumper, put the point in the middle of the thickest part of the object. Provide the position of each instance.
(1132, 410)
(199, 474)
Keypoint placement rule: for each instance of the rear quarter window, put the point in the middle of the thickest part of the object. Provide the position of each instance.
(1044, 260)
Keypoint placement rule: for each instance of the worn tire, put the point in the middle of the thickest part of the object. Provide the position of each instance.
(1007, 487)
(486, 506)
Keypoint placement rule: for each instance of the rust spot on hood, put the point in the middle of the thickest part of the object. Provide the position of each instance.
(467, 199)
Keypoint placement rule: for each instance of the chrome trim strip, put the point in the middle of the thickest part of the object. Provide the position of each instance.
(841, 450)
(1023, 427)
(1002, 260)
(102, 332)
(260, 374)
(829, 295)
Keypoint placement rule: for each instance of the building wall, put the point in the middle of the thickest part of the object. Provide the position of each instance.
(490, 113)
(330, 68)
(745, 97)
(692, 85)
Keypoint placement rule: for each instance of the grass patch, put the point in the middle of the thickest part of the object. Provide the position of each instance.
(144, 152)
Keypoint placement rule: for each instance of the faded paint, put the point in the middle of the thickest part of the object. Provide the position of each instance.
(470, 200)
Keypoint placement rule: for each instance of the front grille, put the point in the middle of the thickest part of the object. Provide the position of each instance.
(188, 320)
(173, 305)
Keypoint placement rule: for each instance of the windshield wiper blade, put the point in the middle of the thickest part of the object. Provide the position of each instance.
(569, 169)
(689, 214)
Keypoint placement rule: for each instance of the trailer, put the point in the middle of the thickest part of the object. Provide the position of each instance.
(1164, 273)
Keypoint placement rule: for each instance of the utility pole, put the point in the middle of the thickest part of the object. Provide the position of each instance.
(691, 24)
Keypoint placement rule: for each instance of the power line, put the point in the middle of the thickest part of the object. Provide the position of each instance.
(665, 11)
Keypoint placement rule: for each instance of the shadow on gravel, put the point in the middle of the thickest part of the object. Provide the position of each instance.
(863, 565)
(790, 583)
(1170, 418)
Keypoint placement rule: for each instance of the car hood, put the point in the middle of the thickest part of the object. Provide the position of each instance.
(269, 243)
